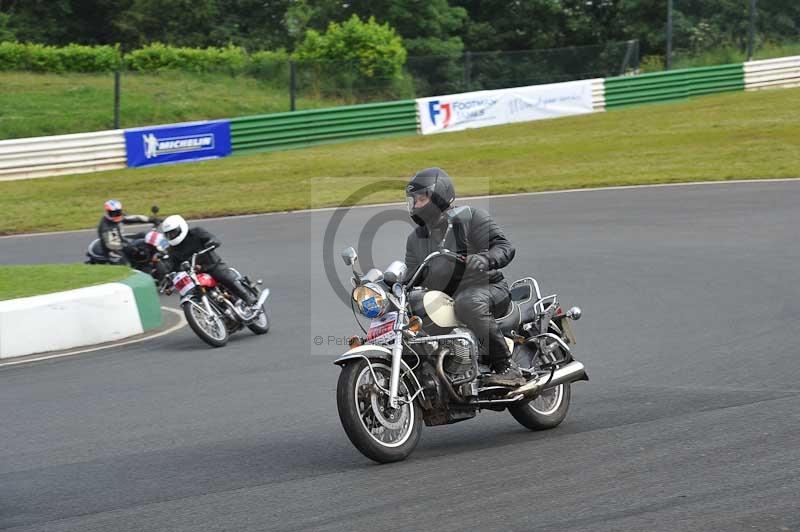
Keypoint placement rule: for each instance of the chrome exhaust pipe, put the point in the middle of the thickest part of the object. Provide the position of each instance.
(574, 371)
(262, 298)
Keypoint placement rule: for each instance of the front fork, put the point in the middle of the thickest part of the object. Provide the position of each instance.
(397, 352)
(397, 356)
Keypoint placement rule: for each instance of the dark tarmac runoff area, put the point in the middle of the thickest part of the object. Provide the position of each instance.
(690, 422)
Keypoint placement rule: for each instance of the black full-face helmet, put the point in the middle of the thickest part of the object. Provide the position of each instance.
(436, 185)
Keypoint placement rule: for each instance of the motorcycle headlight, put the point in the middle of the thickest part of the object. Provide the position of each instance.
(371, 300)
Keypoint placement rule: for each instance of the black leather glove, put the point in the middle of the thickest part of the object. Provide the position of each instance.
(477, 263)
(212, 244)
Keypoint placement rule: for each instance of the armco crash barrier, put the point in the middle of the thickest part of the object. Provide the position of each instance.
(61, 155)
(783, 72)
(672, 85)
(80, 317)
(319, 126)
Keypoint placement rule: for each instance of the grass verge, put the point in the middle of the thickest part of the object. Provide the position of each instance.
(33, 105)
(33, 280)
(731, 136)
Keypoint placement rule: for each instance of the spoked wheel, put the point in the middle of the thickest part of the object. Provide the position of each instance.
(379, 432)
(209, 327)
(545, 411)
(260, 325)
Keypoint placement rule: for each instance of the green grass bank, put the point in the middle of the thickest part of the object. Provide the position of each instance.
(34, 280)
(33, 105)
(752, 135)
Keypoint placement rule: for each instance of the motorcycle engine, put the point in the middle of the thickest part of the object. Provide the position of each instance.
(459, 361)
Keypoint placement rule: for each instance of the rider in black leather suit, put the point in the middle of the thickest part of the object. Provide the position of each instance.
(185, 242)
(477, 286)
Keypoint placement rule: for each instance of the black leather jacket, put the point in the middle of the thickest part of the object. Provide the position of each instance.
(110, 233)
(196, 240)
(474, 231)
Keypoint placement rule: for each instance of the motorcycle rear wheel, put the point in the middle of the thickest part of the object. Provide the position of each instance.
(210, 329)
(380, 434)
(549, 408)
(261, 324)
(544, 412)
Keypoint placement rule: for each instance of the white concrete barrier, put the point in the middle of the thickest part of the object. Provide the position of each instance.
(62, 154)
(77, 318)
(782, 72)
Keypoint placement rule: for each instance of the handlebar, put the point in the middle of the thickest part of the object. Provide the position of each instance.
(195, 255)
(441, 253)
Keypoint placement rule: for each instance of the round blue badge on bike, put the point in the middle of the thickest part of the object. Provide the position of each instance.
(370, 308)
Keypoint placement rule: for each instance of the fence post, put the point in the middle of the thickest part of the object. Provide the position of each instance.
(629, 56)
(751, 30)
(467, 70)
(292, 85)
(117, 77)
(669, 35)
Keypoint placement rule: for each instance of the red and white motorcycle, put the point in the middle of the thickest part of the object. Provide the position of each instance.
(212, 311)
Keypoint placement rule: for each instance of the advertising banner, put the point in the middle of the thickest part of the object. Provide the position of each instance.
(456, 112)
(178, 142)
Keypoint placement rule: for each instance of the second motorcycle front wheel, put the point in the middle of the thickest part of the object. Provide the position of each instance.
(209, 327)
(379, 432)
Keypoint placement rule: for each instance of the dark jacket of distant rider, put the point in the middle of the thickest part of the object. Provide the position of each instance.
(109, 230)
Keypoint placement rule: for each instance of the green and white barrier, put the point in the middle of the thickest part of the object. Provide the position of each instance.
(77, 318)
(782, 72)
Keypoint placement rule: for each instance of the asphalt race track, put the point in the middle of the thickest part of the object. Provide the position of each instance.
(691, 420)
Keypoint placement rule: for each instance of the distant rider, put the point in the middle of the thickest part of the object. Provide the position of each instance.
(113, 243)
(185, 242)
(477, 286)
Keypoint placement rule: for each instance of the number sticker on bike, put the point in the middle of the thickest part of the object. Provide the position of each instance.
(381, 331)
(183, 283)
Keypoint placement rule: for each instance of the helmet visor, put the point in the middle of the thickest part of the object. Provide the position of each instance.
(416, 199)
(173, 233)
(115, 215)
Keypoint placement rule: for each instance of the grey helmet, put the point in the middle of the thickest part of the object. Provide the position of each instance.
(437, 185)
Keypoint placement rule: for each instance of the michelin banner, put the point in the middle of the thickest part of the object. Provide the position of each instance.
(178, 142)
(505, 106)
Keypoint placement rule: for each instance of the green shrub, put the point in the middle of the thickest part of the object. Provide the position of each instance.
(376, 49)
(651, 63)
(77, 58)
(11, 56)
(72, 58)
(41, 58)
(272, 67)
(157, 57)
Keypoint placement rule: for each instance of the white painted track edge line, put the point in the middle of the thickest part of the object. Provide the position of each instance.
(181, 323)
(489, 196)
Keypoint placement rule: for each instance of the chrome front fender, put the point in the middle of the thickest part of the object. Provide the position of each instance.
(364, 351)
(371, 352)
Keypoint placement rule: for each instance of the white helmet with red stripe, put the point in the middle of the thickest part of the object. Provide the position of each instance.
(175, 229)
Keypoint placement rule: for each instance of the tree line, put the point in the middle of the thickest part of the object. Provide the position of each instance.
(427, 27)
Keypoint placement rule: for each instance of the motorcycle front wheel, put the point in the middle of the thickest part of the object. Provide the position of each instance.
(380, 433)
(209, 327)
